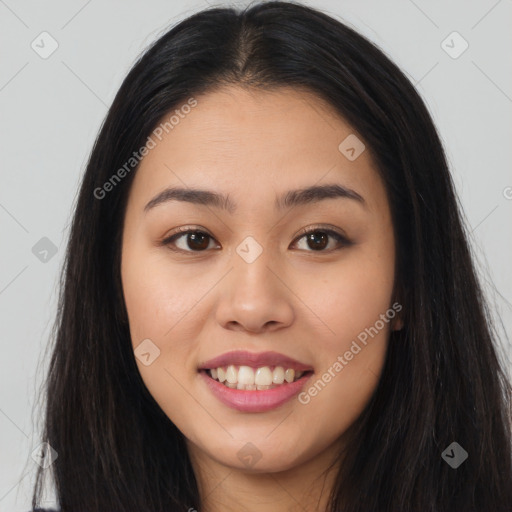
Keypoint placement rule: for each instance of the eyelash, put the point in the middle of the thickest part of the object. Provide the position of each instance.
(342, 240)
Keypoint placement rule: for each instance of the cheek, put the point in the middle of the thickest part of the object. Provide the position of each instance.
(158, 298)
(158, 305)
(350, 297)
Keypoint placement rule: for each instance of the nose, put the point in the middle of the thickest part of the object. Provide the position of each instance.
(255, 297)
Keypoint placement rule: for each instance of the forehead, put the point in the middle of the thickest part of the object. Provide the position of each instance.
(254, 140)
(281, 121)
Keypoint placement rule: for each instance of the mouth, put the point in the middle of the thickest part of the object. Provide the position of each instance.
(247, 378)
(253, 397)
(251, 382)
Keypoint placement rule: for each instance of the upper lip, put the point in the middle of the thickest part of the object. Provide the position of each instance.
(255, 360)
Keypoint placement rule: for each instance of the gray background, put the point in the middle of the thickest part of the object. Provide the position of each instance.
(51, 110)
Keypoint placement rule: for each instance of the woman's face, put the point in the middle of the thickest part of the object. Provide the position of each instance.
(251, 280)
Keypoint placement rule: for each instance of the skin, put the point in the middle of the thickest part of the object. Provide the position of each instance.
(309, 305)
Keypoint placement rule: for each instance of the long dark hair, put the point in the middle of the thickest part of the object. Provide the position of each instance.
(442, 381)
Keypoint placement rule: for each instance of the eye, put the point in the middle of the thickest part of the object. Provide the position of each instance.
(317, 239)
(195, 240)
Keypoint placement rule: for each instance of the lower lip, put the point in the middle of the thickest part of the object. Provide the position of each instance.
(255, 401)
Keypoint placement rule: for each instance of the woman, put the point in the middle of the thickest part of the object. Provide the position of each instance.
(269, 300)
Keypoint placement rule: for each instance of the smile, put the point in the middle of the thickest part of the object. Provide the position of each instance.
(254, 379)
(266, 398)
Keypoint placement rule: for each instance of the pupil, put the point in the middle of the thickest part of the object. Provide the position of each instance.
(315, 238)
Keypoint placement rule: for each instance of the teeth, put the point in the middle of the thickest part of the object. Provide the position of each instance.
(289, 375)
(245, 375)
(247, 378)
(278, 375)
(263, 376)
(231, 374)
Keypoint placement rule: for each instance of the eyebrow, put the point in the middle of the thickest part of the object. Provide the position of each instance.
(289, 199)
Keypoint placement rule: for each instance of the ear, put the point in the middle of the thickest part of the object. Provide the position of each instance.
(397, 323)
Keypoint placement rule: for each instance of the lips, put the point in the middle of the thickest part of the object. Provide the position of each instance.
(254, 360)
(254, 401)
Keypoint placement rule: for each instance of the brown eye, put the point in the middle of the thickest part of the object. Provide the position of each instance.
(189, 241)
(317, 239)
